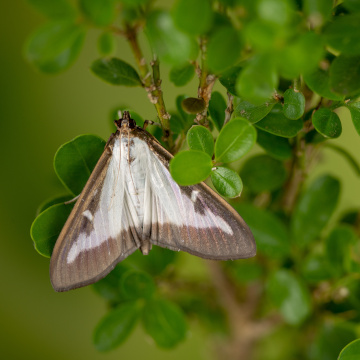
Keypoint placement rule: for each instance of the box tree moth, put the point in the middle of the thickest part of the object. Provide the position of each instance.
(131, 202)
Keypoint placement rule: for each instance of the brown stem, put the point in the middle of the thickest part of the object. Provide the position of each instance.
(151, 82)
(245, 329)
(229, 109)
(206, 84)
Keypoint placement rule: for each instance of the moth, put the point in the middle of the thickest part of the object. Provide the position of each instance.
(131, 202)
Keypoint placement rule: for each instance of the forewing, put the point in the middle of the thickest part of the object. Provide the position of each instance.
(192, 218)
(99, 231)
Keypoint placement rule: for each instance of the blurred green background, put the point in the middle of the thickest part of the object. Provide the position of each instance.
(38, 114)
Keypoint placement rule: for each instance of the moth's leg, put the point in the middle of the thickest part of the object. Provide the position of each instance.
(150, 122)
(72, 200)
(108, 148)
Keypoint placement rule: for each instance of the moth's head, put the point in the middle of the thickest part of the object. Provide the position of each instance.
(125, 121)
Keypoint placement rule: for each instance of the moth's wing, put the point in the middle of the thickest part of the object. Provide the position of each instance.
(100, 230)
(192, 218)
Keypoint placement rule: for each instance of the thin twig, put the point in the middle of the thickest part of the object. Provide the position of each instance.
(229, 109)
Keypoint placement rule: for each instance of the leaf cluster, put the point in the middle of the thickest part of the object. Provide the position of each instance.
(287, 68)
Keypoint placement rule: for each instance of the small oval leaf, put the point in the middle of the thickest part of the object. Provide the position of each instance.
(193, 17)
(200, 138)
(226, 182)
(137, 285)
(345, 75)
(236, 138)
(181, 75)
(59, 9)
(116, 326)
(290, 296)
(100, 13)
(224, 48)
(47, 226)
(277, 123)
(294, 104)
(55, 46)
(314, 209)
(253, 113)
(354, 109)
(276, 146)
(190, 167)
(164, 322)
(327, 123)
(116, 72)
(193, 105)
(170, 44)
(271, 235)
(106, 43)
(263, 173)
(217, 107)
(351, 351)
(75, 160)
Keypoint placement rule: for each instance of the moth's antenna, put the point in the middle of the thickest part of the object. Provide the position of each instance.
(119, 114)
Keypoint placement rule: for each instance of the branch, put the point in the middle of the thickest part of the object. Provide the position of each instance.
(152, 83)
(206, 84)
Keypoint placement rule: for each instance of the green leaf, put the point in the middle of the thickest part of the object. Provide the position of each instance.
(170, 44)
(236, 138)
(75, 160)
(53, 201)
(314, 209)
(258, 81)
(193, 105)
(193, 17)
(354, 109)
(106, 43)
(100, 13)
(294, 104)
(271, 235)
(327, 123)
(164, 322)
(352, 5)
(55, 46)
(318, 10)
(290, 296)
(155, 263)
(134, 3)
(228, 79)
(279, 12)
(47, 226)
(351, 351)
(226, 182)
(277, 123)
(116, 326)
(109, 287)
(351, 160)
(137, 285)
(200, 138)
(337, 247)
(319, 82)
(263, 173)
(302, 56)
(315, 268)
(190, 167)
(225, 40)
(217, 107)
(275, 146)
(116, 72)
(331, 338)
(342, 34)
(345, 75)
(55, 9)
(181, 75)
(187, 119)
(253, 113)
